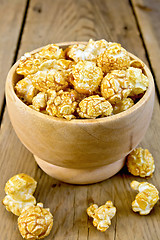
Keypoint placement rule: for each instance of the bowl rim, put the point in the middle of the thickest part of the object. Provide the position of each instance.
(140, 103)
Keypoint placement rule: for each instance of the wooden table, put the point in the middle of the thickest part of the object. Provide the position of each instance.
(29, 24)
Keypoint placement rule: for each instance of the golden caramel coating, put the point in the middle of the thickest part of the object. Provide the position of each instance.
(140, 163)
(87, 52)
(86, 77)
(35, 222)
(146, 198)
(39, 102)
(19, 193)
(123, 105)
(114, 58)
(62, 104)
(59, 65)
(136, 64)
(102, 215)
(50, 79)
(115, 86)
(94, 106)
(76, 52)
(29, 63)
(137, 80)
(25, 89)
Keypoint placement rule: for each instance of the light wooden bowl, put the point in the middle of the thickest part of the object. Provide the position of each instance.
(79, 151)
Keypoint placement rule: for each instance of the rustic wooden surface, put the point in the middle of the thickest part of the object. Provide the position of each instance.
(25, 25)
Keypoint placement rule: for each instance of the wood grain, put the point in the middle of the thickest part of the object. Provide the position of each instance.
(60, 20)
(11, 18)
(148, 15)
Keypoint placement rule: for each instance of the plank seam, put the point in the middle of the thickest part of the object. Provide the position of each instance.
(145, 48)
(15, 55)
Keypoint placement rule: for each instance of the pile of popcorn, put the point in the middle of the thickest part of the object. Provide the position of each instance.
(35, 222)
(98, 79)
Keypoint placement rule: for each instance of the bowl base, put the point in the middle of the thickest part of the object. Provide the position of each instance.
(80, 176)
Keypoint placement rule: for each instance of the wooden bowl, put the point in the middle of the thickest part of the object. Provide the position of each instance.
(79, 151)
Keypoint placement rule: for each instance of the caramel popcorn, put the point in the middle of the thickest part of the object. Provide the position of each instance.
(115, 86)
(19, 193)
(62, 104)
(59, 65)
(35, 222)
(102, 215)
(51, 79)
(140, 163)
(136, 64)
(29, 63)
(94, 106)
(138, 81)
(39, 102)
(146, 198)
(123, 105)
(25, 89)
(86, 77)
(98, 69)
(114, 58)
(87, 52)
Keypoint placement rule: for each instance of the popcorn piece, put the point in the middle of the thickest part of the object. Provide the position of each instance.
(115, 86)
(102, 216)
(123, 105)
(25, 90)
(30, 63)
(114, 58)
(19, 190)
(140, 163)
(35, 222)
(51, 79)
(86, 77)
(94, 106)
(138, 81)
(39, 102)
(59, 65)
(62, 104)
(50, 51)
(87, 52)
(146, 198)
(76, 52)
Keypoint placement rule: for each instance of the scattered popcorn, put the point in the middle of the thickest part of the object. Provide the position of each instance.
(39, 102)
(62, 104)
(115, 86)
(19, 193)
(123, 105)
(88, 52)
(146, 198)
(114, 58)
(51, 79)
(140, 163)
(25, 89)
(35, 222)
(138, 81)
(102, 215)
(86, 77)
(94, 106)
(29, 63)
(96, 69)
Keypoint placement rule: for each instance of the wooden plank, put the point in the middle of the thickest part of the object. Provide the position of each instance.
(148, 15)
(59, 20)
(11, 17)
